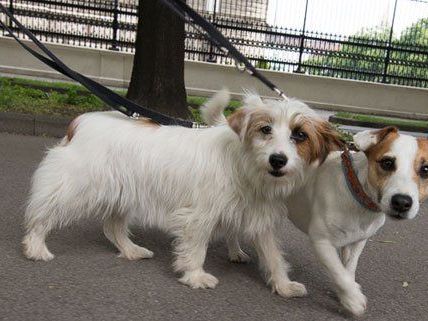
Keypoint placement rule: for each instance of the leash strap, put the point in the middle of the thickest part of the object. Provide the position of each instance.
(111, 98)
(354, 184)
(216, 37)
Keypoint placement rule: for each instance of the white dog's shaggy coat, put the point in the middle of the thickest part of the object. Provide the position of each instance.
(191, 183)
(392, 168)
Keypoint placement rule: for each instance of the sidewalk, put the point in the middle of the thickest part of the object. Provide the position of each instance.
(87, 281)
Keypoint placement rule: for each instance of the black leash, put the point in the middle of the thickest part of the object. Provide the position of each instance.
(221, 42)
(111, 98)
(122, 104)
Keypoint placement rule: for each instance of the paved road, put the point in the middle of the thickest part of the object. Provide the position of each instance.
(86, 281)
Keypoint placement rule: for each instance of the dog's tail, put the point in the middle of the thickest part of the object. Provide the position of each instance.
(212, 111)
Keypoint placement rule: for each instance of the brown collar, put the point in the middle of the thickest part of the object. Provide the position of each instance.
(354, 184)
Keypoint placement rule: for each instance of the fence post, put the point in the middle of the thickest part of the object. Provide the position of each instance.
(302, 42)
(114, 45)
(10, 23)
(211, 57)
(389, 45)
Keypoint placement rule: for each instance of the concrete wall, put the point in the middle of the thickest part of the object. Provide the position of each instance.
(114, 69)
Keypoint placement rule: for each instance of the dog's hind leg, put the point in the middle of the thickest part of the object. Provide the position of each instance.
(116, 230)
(236, 254)
(41, 217)
(34, 241)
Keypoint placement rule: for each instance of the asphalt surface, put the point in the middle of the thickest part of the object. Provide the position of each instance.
(87, 281)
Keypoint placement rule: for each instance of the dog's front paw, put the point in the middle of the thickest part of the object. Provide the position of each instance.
(136, 253)
(199, 279)
(354, 301)
(289, 289)
(239, 257)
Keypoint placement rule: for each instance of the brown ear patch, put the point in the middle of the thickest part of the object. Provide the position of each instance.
(421, 159)
(386, 136)
(322, 139)
(384, 132)
(236, 121)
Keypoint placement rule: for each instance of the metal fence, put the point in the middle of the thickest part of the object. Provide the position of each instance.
(381, 41)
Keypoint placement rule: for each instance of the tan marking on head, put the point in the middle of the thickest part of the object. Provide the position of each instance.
(322, 139)
(376, 175)
(257, 120)
(147, 122)
(421, 159)
(236, 121)
(71, 129)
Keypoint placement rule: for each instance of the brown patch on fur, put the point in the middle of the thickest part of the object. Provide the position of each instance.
(257, 120)
(71, 129)
(147, 122)
(421, 159)
(236, 121)
(376, 175)
(384, 132)
(322, 139)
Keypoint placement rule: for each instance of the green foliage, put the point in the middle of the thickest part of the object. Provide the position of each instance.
(386, 121)
(64, 99)
(415, 35)
(21, 99)
(359, 57)
(262, 64)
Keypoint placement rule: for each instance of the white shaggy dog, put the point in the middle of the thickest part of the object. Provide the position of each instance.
(192, 183)
(392, 168)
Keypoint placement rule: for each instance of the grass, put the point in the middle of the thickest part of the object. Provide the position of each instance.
(384, 120)
(14, 97)
(65, 99)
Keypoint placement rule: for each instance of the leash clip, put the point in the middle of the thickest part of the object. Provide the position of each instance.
(199, 126)
(240, 66)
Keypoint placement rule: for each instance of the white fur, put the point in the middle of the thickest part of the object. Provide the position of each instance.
(192, 183)
(212, 111)
(337, 225)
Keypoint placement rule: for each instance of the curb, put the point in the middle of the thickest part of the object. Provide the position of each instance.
(359, 123)
(36, 125)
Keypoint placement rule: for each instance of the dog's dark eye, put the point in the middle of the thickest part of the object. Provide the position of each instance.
(387, 164)
(266, 130)
(299, 135)
(423, 172)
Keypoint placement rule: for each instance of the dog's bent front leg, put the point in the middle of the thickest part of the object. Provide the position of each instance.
(276, 267)
(193, 231)
(350, 255)
(349, 291)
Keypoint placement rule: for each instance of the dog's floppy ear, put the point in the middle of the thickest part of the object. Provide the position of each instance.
(330, 140)
(366, 139)
(237, 122)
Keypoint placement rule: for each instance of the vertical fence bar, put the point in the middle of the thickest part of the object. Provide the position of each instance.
(211, 57)
(115, 26)
(302, 42)
(11, 11)
(389, 45)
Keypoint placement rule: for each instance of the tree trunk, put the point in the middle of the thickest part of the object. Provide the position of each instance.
(157, 80)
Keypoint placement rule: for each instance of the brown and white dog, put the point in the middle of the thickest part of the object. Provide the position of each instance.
(392, 168)
(192, 183)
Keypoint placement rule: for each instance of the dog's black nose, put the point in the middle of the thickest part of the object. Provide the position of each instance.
(401, 204)
(278, 161)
